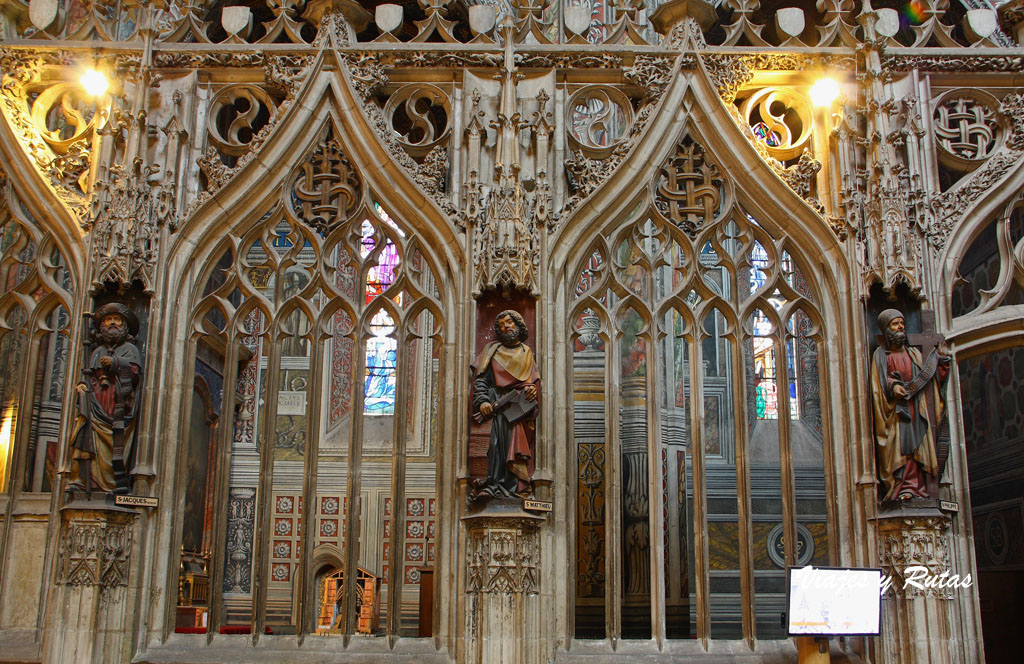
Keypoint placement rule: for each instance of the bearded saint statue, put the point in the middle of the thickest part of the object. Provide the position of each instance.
(908, 404)
(103, 436)
(506, 386)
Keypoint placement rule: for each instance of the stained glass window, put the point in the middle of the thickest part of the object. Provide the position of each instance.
(766, 398)
(381, 353)
(771, 138)
(381, 347)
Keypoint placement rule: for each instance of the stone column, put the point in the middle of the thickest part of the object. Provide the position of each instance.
(95, 586)
(916, 622)
(503, 608)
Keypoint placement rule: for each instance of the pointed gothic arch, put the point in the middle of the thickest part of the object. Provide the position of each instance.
(989, 326)
(632, 250)
(290, 269)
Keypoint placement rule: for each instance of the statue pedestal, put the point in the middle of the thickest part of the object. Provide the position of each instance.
(915, 540)
(503, 608)
(95, 585)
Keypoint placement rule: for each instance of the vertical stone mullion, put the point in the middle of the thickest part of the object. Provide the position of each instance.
(354, 482)
(655, 389)
(225, 438)
(177, 516)
(309, 480)
(265, 498)
(746, 562)
(403, 403)
(613, 493)
(785, 448)
(700, 496)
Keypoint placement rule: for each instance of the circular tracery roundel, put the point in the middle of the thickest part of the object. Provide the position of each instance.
(599, 117)
(63, 115)
(967, 128)
(236, 115)
(779, 118)
(420, 115)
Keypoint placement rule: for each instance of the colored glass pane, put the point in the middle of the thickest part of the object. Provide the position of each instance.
(381, 354)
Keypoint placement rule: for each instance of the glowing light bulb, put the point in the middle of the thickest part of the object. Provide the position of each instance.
(94, 82)
(824, 92)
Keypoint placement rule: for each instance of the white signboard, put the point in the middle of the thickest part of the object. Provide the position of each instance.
(830, 601)
(291, 403)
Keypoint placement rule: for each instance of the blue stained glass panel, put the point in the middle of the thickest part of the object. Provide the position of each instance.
(381, 356)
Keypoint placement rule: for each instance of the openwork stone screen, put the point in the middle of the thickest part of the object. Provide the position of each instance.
(697, 423)
(316, 334)
(35, 296)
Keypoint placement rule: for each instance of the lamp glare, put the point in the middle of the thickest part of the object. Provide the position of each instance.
(824, 92)
(94, 82)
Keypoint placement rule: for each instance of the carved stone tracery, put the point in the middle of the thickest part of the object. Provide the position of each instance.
(690, 190)
(503, 558)
(915, 541)
(62, 161)
(96, 550)
(967, 130)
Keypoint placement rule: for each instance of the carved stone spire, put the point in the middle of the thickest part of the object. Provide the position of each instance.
(507, 244)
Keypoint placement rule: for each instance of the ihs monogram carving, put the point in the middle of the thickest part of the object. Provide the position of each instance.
(96, 552)
(946, 209)
(328, 187)
(503, 559)
(689, 189)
